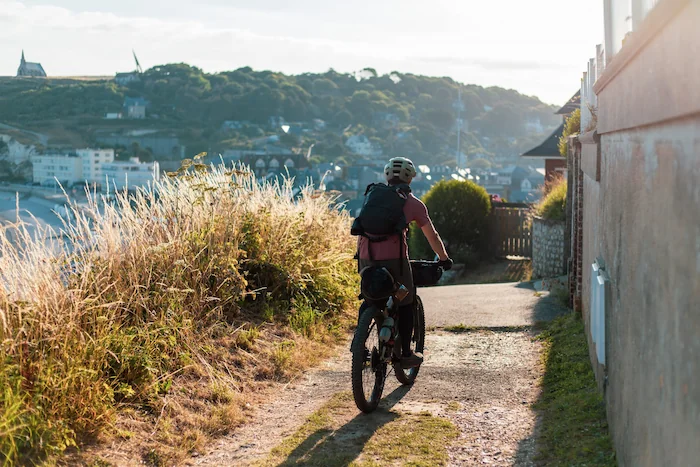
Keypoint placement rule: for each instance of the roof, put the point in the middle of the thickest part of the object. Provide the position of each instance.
(549, 149)
(518, 196)
(29, 68)
(132, 101)
(573, 104)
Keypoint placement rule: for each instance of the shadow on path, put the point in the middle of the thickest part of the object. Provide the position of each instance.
(339, 447)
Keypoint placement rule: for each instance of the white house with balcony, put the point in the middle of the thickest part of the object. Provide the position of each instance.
(120, 175)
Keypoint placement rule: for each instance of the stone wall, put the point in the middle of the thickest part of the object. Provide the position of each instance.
(547, 247)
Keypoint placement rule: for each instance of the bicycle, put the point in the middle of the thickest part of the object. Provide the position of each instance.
(377, 342)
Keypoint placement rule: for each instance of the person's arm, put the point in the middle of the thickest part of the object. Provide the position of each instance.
(419, 213)
(435, 241)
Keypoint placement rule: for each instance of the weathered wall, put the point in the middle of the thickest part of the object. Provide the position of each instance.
(642, 217)
(648, 233)
(547, 247)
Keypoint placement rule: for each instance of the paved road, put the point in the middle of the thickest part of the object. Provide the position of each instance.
(486, 305)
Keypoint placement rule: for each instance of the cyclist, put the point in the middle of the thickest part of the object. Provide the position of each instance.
(392, 253)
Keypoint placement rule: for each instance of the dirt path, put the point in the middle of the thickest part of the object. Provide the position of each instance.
(484, 380)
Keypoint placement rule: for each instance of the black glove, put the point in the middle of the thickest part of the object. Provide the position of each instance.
(446, 264)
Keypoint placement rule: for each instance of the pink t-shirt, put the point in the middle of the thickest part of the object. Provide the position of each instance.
(415, 211)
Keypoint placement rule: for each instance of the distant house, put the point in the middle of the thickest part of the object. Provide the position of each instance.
(113, 116)
(123, 79)
(361, 145)
(30, 69)
(527, 191)
(275, 121)
(135, 107)
(273, 162)
(548, 151)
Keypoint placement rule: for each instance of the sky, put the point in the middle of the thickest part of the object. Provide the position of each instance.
(538, 47)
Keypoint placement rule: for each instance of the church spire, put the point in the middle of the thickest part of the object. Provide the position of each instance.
(23, 56)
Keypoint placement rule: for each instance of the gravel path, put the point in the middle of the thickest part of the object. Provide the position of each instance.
(484, 381)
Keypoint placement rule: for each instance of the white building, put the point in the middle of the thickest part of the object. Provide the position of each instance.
(361, 145)
(130, 175)
(47, 168)
(92, 162)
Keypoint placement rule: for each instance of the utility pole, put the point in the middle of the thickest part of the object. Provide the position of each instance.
(459, 107)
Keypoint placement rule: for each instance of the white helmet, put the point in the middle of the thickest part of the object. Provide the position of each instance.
(401, 168)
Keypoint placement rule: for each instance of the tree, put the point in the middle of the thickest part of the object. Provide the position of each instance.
(343, 118)
(483, 164)
(459, 210)
(288, 139)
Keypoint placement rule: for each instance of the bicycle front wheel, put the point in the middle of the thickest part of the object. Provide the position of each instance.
(368, 371)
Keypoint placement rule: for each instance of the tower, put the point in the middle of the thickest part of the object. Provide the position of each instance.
(138, 65)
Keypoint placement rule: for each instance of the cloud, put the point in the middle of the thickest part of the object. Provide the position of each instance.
(492, 63)
(218, 35)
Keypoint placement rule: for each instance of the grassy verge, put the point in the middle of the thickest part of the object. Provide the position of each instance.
(574, 431)
(336, 435)
(161, 317)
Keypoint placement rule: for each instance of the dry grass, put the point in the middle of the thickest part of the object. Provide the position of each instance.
(163, 313)
(336, 435)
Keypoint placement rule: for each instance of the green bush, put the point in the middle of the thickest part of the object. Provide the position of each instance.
(571, 127)
(459, 210)
(553, 205)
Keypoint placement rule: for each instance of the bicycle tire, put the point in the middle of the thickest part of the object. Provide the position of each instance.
(359, 363)
(408, 377)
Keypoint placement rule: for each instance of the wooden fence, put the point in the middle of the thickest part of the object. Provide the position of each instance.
(510, 230)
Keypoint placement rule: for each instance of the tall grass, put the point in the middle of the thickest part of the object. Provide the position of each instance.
(553, 203)
(157, 286)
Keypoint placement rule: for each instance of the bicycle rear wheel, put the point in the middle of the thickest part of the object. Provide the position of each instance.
(408, 376)
(368, 372)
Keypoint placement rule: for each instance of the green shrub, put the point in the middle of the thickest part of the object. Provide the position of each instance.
(553, 205)
(459, 210)
(571, 127)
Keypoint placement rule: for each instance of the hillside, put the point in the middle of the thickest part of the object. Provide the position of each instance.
(403, 113)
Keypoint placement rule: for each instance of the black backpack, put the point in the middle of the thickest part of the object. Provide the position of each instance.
(382, 213)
